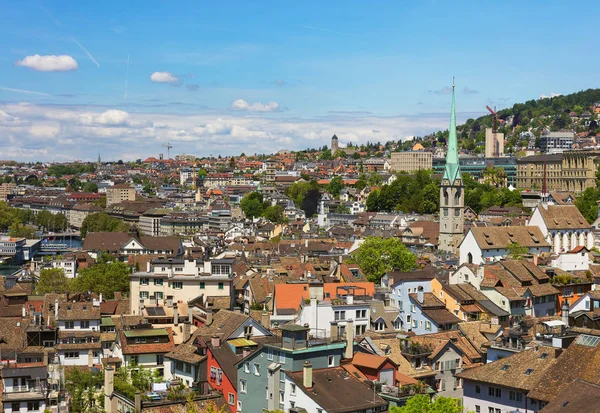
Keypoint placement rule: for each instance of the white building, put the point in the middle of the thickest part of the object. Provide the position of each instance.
(563, 227)
(488, 244)
(326, 318)
(79, 333)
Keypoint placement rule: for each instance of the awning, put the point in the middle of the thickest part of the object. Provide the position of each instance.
(554, 323)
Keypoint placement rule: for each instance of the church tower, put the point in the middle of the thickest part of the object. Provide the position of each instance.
(335, 145)
(452, 194)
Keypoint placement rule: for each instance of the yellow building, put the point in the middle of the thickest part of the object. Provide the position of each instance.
(411, 161)
(119, 193)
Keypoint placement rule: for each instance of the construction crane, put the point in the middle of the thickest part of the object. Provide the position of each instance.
(495, 143)
(168, 146)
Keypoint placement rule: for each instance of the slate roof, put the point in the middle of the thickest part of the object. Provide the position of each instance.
(563, 217)
(500, 237)
(512, 371)
(335, 390)
(576, 362)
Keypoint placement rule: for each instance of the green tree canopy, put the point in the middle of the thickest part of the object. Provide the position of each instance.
(103, 278)
(516, 250)
(18, 230)
(82, 385)
(252, 205)
(336, 185)
(377, 255)
(101, 222)
(52, 281)
(90, 187)
(422, 404)
(274, 214)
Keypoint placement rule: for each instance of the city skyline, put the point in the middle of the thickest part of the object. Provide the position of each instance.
(122, 81)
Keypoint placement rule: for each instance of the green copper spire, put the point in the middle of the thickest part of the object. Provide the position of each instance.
(452, 171)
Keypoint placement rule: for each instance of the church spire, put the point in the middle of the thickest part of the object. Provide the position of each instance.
(452, 171)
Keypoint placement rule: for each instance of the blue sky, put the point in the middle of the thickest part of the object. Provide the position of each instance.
(262, 76)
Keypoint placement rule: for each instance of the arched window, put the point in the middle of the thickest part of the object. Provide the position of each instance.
(457, 197)
(445, 197)
(470, 258)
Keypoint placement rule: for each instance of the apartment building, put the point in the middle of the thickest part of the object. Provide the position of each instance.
(119, 193)
(557, 142)
(411, 161)
(176, 280)
(6, 189)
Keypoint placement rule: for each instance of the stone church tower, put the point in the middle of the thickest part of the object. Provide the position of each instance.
(335, 145)
(452, 195)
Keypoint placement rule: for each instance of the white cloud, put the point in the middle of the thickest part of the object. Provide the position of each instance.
(112, 117)
(51, 63)
(241, 104)
(552, 95)
(164, 77)
(33, 132)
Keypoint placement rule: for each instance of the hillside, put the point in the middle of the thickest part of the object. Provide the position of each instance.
(574, 111)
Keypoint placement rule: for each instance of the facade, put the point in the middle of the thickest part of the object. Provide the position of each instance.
(180, 280)
(79, 212)
(401, 285)
(12, 248)
(475, 166)
(557, 142)
(533, 170)
(6, 189)
(452, 197)
(150, 222)
(79, 333)
(119, 193)
(579, 170)
(563, 227)
(411, 161)
(494, 143)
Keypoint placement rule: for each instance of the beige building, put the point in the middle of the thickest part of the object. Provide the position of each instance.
(494, 144)
(5, 190)
(573, 171)
(174, 280)
(78, 213)
(119, 193)
(411, 161)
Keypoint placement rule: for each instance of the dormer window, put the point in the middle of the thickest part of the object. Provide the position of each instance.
(528, 372)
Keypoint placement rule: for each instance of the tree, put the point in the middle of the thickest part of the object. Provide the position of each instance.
(377, 255)
(252, 205)
(101, 222)
(516, 250)
(336, 185)
(103, 278)
(422, 403)
(339, 154)
(52, 281)
(274, 214)
(342, 209)
(18, 230)
(431, 199)
(90, 187)
(83, 385)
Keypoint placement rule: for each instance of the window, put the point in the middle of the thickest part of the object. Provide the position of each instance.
(178, 285)
(281, 396)
(202, 285)
(158, 295)
(15, 406)
(231, 399)
(246, 367)
(72, 355)
(256, 369)
(490, 410)
(158, 281)
(477, 408)
(292, 389)
(144, 281)
(330, 361)
(160, 360)
(134, 359)
(413, 308)
(515, 396)
(379, 326)
(84, 324)
(221, 286)
(248, 330)
(144, 294)
(339, 315)
(243, 386)
(528, 372)
(31, 406)
(494, 392)
(270, 354)
(360, 329)
(178, 269)
(281, 357)
(361, 313)
(477, 389)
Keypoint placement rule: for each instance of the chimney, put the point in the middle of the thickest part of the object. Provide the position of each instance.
(138, 401)
(535, 259)
(307, 380)
(175, 315)
(109, 386)
(565, 313)
(24, 311)
(349, 339)
(100, 299)
(265, 318)
(349, 299)
(186, 331)
(333, 331)
(90, 359)
(45, 358)
(55, 309)
(306, 243)
(215, 341)
(420, 294)
(209, 318)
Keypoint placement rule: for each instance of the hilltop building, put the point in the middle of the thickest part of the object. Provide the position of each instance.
(335, 144)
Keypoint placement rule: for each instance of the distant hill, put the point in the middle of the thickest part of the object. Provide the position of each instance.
(573, 112)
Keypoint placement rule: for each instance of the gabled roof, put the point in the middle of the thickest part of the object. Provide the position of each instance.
(563, 217)
(501, 237)
(579, 396)
(370, 361)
